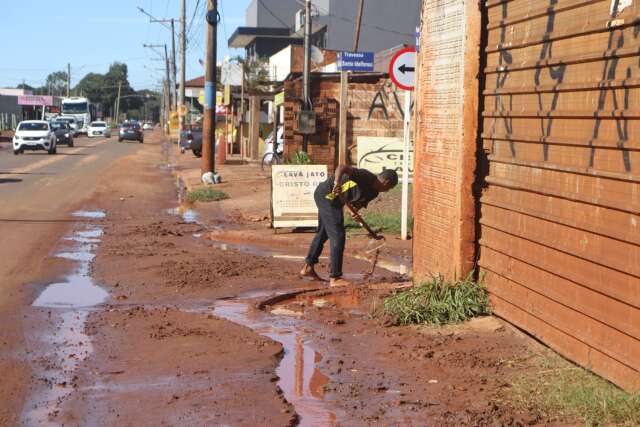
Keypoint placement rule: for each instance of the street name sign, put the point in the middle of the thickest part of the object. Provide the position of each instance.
(402, 68)
(355, 61)
(292, 190)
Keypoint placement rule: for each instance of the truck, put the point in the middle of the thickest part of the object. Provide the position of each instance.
(80, 109)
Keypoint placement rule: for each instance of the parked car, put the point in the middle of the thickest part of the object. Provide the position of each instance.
(147, 126)
(99, 128)
(131, 131)
(71, 121)
(63, 132)
(191, 139)
(34, 135)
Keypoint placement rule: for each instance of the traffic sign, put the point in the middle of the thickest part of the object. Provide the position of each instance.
(402, 68)
(355, 61)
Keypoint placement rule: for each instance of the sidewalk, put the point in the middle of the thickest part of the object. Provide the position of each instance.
(244, 218)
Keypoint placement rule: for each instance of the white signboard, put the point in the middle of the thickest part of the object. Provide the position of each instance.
(292, 194)
(379, 153)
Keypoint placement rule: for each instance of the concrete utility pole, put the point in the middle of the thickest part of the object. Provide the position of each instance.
(183, 50)
(118, 102)
(208, 167)
(306, 66)
(168, 66)
(174, 73)
(68, 79)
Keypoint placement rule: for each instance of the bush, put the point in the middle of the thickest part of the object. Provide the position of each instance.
(300, 158)
(438, 302)
(206, 195)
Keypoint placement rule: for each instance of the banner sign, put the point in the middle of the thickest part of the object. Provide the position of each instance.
(292, 194)
(379, 153)
(36, 100)
(278, 99)
(355, 61)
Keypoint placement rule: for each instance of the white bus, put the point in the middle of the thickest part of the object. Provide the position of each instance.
(80, 109)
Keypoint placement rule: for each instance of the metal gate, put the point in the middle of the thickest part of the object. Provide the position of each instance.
(560, 213)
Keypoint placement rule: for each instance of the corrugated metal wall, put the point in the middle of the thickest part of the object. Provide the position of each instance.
(560, 214)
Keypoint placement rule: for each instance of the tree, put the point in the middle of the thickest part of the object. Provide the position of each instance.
(93, 87)
(56, 83)
(256, 74)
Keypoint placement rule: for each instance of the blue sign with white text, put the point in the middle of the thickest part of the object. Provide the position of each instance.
(355, 61)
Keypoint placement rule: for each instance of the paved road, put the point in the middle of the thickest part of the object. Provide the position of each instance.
(37, 193)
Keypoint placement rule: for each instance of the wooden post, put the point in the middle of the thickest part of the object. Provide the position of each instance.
(344, 107)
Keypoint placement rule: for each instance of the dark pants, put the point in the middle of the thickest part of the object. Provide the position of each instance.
(330, 226)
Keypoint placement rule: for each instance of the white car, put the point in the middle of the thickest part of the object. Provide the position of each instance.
(147, 126)
(99, 129)
(34, 135)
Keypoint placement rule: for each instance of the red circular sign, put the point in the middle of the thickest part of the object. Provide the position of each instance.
(402, 68)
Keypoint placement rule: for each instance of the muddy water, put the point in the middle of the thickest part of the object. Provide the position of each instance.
(60, 343)
(300, 379)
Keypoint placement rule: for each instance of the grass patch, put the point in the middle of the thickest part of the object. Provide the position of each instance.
(438, 302)
(206, 195)
(563, 389)
(379, 221)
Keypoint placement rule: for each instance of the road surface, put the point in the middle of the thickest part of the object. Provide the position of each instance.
(37, 193)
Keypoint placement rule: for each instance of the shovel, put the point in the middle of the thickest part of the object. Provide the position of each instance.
(376, 241)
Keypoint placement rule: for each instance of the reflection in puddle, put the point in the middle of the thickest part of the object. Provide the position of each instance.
(188, 215)
(90, 214)
(78, 291)
(63, 342)
(300, 379)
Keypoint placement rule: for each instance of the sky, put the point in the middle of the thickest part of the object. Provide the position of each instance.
(41, 36)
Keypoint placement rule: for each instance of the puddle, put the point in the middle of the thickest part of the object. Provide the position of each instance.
(61, 343)
(187, 214)
(296, 306)
(90, 214)
(301, 380)
(77, 291)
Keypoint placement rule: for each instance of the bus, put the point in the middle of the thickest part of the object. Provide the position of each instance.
(80, 109)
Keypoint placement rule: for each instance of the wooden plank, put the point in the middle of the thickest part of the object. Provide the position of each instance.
(598, 306)
(590, 358)
(616, 345)
(598, 249)
(615, 284)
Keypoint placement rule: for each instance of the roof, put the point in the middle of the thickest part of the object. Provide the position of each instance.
(244, 36)
(197, 82)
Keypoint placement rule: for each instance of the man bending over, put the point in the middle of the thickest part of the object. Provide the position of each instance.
(348, 185)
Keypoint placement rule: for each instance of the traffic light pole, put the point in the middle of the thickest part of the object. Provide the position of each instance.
(208, 167)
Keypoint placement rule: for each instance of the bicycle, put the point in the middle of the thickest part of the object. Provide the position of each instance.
(269, 159)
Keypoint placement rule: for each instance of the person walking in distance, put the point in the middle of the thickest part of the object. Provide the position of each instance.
(348, 185)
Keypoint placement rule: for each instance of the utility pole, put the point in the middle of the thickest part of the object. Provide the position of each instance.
(68, 79)
(183, 50)
(171, 27)
(208, 168)
(118, 102)
(168, 66)
(306, 66)
(174, 72)
(356, 38)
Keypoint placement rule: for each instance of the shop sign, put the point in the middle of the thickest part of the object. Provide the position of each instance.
(292, 194)
(379, 153)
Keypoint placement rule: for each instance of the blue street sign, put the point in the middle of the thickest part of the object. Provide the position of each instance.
(355, 61)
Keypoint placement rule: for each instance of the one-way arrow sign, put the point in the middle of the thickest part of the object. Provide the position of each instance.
(402, 68)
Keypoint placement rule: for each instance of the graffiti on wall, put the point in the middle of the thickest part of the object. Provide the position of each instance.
(386, 96)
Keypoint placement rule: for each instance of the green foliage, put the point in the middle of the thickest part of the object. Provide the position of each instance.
(380, 221)
(438, 302)
(206, 195)
(56, 83)
(256, 73)
(563, 389)
(300, 158)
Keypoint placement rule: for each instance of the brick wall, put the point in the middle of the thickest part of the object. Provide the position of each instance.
(325, 94)
(446, 114)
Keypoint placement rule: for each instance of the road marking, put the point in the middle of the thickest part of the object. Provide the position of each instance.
(48, 161)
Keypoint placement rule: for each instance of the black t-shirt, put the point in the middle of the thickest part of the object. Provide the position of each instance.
(359, 195)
